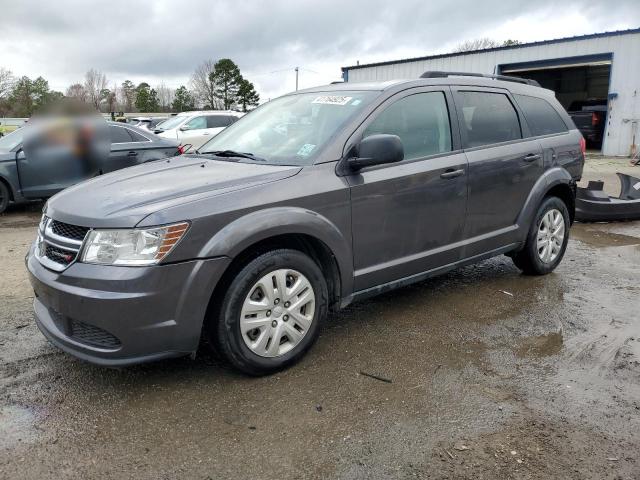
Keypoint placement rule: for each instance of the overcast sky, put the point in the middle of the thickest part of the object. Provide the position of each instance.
(159, 40)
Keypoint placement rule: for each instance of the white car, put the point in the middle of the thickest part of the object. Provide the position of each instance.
(196, 128)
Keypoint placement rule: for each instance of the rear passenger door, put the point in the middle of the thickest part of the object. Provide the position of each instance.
(408, 217)
(503, 166)
(559, 148)
(123, 152)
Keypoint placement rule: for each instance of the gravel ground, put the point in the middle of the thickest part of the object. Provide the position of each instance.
(491, 375)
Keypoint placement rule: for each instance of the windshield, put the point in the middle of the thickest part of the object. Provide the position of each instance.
(293, 129)
(12, 140)
(170, 123)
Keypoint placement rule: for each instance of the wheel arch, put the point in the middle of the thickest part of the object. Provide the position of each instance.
(286, 227)
(554, 182)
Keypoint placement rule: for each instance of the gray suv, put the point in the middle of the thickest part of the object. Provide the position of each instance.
(312, 201)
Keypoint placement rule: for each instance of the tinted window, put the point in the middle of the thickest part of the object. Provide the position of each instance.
(137, 137)
(488, 118)
(421, 121)
(196, 123)
(217, 121)
(119, 135)
(541, 116)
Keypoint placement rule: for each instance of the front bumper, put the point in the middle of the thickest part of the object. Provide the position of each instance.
(118, 316)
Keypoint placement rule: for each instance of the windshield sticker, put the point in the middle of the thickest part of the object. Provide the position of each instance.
(332, 100)
(637, 186)
(306, 149)
(356, 102)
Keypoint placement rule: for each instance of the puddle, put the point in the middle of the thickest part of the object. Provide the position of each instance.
(601, 238)
(541, 345)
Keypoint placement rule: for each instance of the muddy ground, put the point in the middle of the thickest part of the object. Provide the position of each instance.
(494, 375)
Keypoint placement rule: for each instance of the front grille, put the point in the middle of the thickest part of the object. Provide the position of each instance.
(68, 231)
(92, 335)
(59, 255)
(58, 243)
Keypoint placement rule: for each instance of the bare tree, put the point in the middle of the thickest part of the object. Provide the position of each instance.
(165, 96)
(477, 44)
(94, 83)
(203, 85)
(77, 91)
(6, 82)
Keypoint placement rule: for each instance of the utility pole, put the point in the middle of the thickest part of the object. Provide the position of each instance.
(296, 78)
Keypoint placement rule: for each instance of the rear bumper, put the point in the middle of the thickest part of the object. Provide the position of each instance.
(118, 316)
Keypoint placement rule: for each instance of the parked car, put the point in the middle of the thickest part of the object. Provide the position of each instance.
(146, 123)
(23, 178)
(590, 116)
(196, 128)
(312, 201)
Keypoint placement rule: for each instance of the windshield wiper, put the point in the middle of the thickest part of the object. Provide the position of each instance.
(232, 154)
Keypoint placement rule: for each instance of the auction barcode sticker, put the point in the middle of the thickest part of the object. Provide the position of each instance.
(332, 100)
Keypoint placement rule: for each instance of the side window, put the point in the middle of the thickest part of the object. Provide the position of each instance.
(217, 121)
(488, 118)
(420, 120)
(542, 118)
(197, 123)
(137, 137)
(119, 135)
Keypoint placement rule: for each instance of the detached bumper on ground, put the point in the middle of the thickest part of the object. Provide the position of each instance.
(118, 316)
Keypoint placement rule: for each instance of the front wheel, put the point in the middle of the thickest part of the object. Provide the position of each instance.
(271, 313)
(547, 239)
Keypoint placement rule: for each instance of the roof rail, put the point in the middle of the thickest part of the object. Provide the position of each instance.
(506, 78)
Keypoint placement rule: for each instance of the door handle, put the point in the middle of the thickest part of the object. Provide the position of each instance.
(532, 157)
(132, 154)
(450, 173)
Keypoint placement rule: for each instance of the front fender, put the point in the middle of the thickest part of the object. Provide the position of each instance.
(548, 180)
(260, 225)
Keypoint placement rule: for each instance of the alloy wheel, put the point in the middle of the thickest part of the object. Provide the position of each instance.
(550, 238)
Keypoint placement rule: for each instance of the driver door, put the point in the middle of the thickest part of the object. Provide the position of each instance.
(409, 217)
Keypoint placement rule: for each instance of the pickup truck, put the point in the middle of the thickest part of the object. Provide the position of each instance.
(590, 117)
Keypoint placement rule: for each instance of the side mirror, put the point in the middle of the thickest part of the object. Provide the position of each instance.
(377, 150)
(184, 128)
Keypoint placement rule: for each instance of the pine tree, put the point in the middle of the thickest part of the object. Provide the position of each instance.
(247, 95)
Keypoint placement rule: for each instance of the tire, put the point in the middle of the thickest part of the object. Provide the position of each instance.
(538, 261)
(4, 197)
(283, 332)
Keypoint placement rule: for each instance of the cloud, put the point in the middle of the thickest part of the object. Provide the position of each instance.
(165, 40)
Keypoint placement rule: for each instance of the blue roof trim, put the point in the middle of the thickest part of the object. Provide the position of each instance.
(496, 49)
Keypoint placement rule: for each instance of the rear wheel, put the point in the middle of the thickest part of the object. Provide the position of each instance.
(271, 313)
(4, 197)
(547, 239)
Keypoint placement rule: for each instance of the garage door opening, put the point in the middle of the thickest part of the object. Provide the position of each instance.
(581, 85)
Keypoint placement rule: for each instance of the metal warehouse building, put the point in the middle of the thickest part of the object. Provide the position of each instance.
(602, 65)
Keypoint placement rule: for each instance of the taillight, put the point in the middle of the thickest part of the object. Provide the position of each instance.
(595, 119)
(583, 145)
(180, 149)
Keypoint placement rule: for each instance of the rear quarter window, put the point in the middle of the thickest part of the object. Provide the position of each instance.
(541, 117)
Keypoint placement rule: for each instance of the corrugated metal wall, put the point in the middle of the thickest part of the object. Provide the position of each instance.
(624, 113)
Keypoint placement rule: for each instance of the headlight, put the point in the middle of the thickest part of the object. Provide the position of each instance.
(139, 246)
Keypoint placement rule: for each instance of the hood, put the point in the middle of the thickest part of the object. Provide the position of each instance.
(123, 198)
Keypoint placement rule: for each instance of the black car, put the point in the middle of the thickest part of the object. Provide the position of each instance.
(22, 178)
(590, 116)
